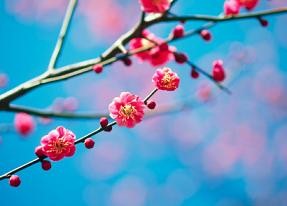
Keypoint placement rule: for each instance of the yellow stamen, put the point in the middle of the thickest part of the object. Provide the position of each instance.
(59, 145)
(146, 43)
(167, 80)
(127, 111)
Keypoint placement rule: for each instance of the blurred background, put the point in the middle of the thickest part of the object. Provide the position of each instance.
(217, 150)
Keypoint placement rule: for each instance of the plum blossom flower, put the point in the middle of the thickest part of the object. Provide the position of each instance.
(59, 143)
(248, 4)
(24, 123)
(231, 7)
(156, 56)
(127, 109)
(155, 6)
(166, 79)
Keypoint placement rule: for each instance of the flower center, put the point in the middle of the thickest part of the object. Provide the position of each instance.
(245, 1)
(59, 145)
(156, 1)
(127, 111)
(146, 43)
(166, 80)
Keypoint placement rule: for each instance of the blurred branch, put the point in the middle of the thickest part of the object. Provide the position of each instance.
(61, 38)
(49, 113)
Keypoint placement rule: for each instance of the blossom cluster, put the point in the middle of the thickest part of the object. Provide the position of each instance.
(155, 6)
(232, 7)
(160, 52)
(128, 109)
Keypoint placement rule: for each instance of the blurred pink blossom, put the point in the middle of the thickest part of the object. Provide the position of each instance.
(105, 161)
(59, 143)
(129, 191)
(155, 6)
(3, 80)
(24, 123)
(93, 13)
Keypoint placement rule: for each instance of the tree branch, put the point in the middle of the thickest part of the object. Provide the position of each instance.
(49, 113)
(61, 38)
(222, 18)
(108, 56)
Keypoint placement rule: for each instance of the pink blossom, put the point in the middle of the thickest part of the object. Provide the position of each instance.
(3, 80)
(127, 109)
(138, 43)
(248, 4)
(166, 79)
(156, 56)
(159, 57)
(59, 143)
(70, 104)
(155, 6)
(231, 7)
(204, 93)
(24, 123)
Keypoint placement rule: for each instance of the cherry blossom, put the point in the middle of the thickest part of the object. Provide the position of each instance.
(24, 123)
(59, 143)
(166, 79)
(231, 7)
(155, 6)
(158, 55)
(248, 4)
(127, 109)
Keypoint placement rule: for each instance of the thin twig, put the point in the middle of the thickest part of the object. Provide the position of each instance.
(224, 18)
(172, 4)
(204, 73)
(150, 95)
(61, 38)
